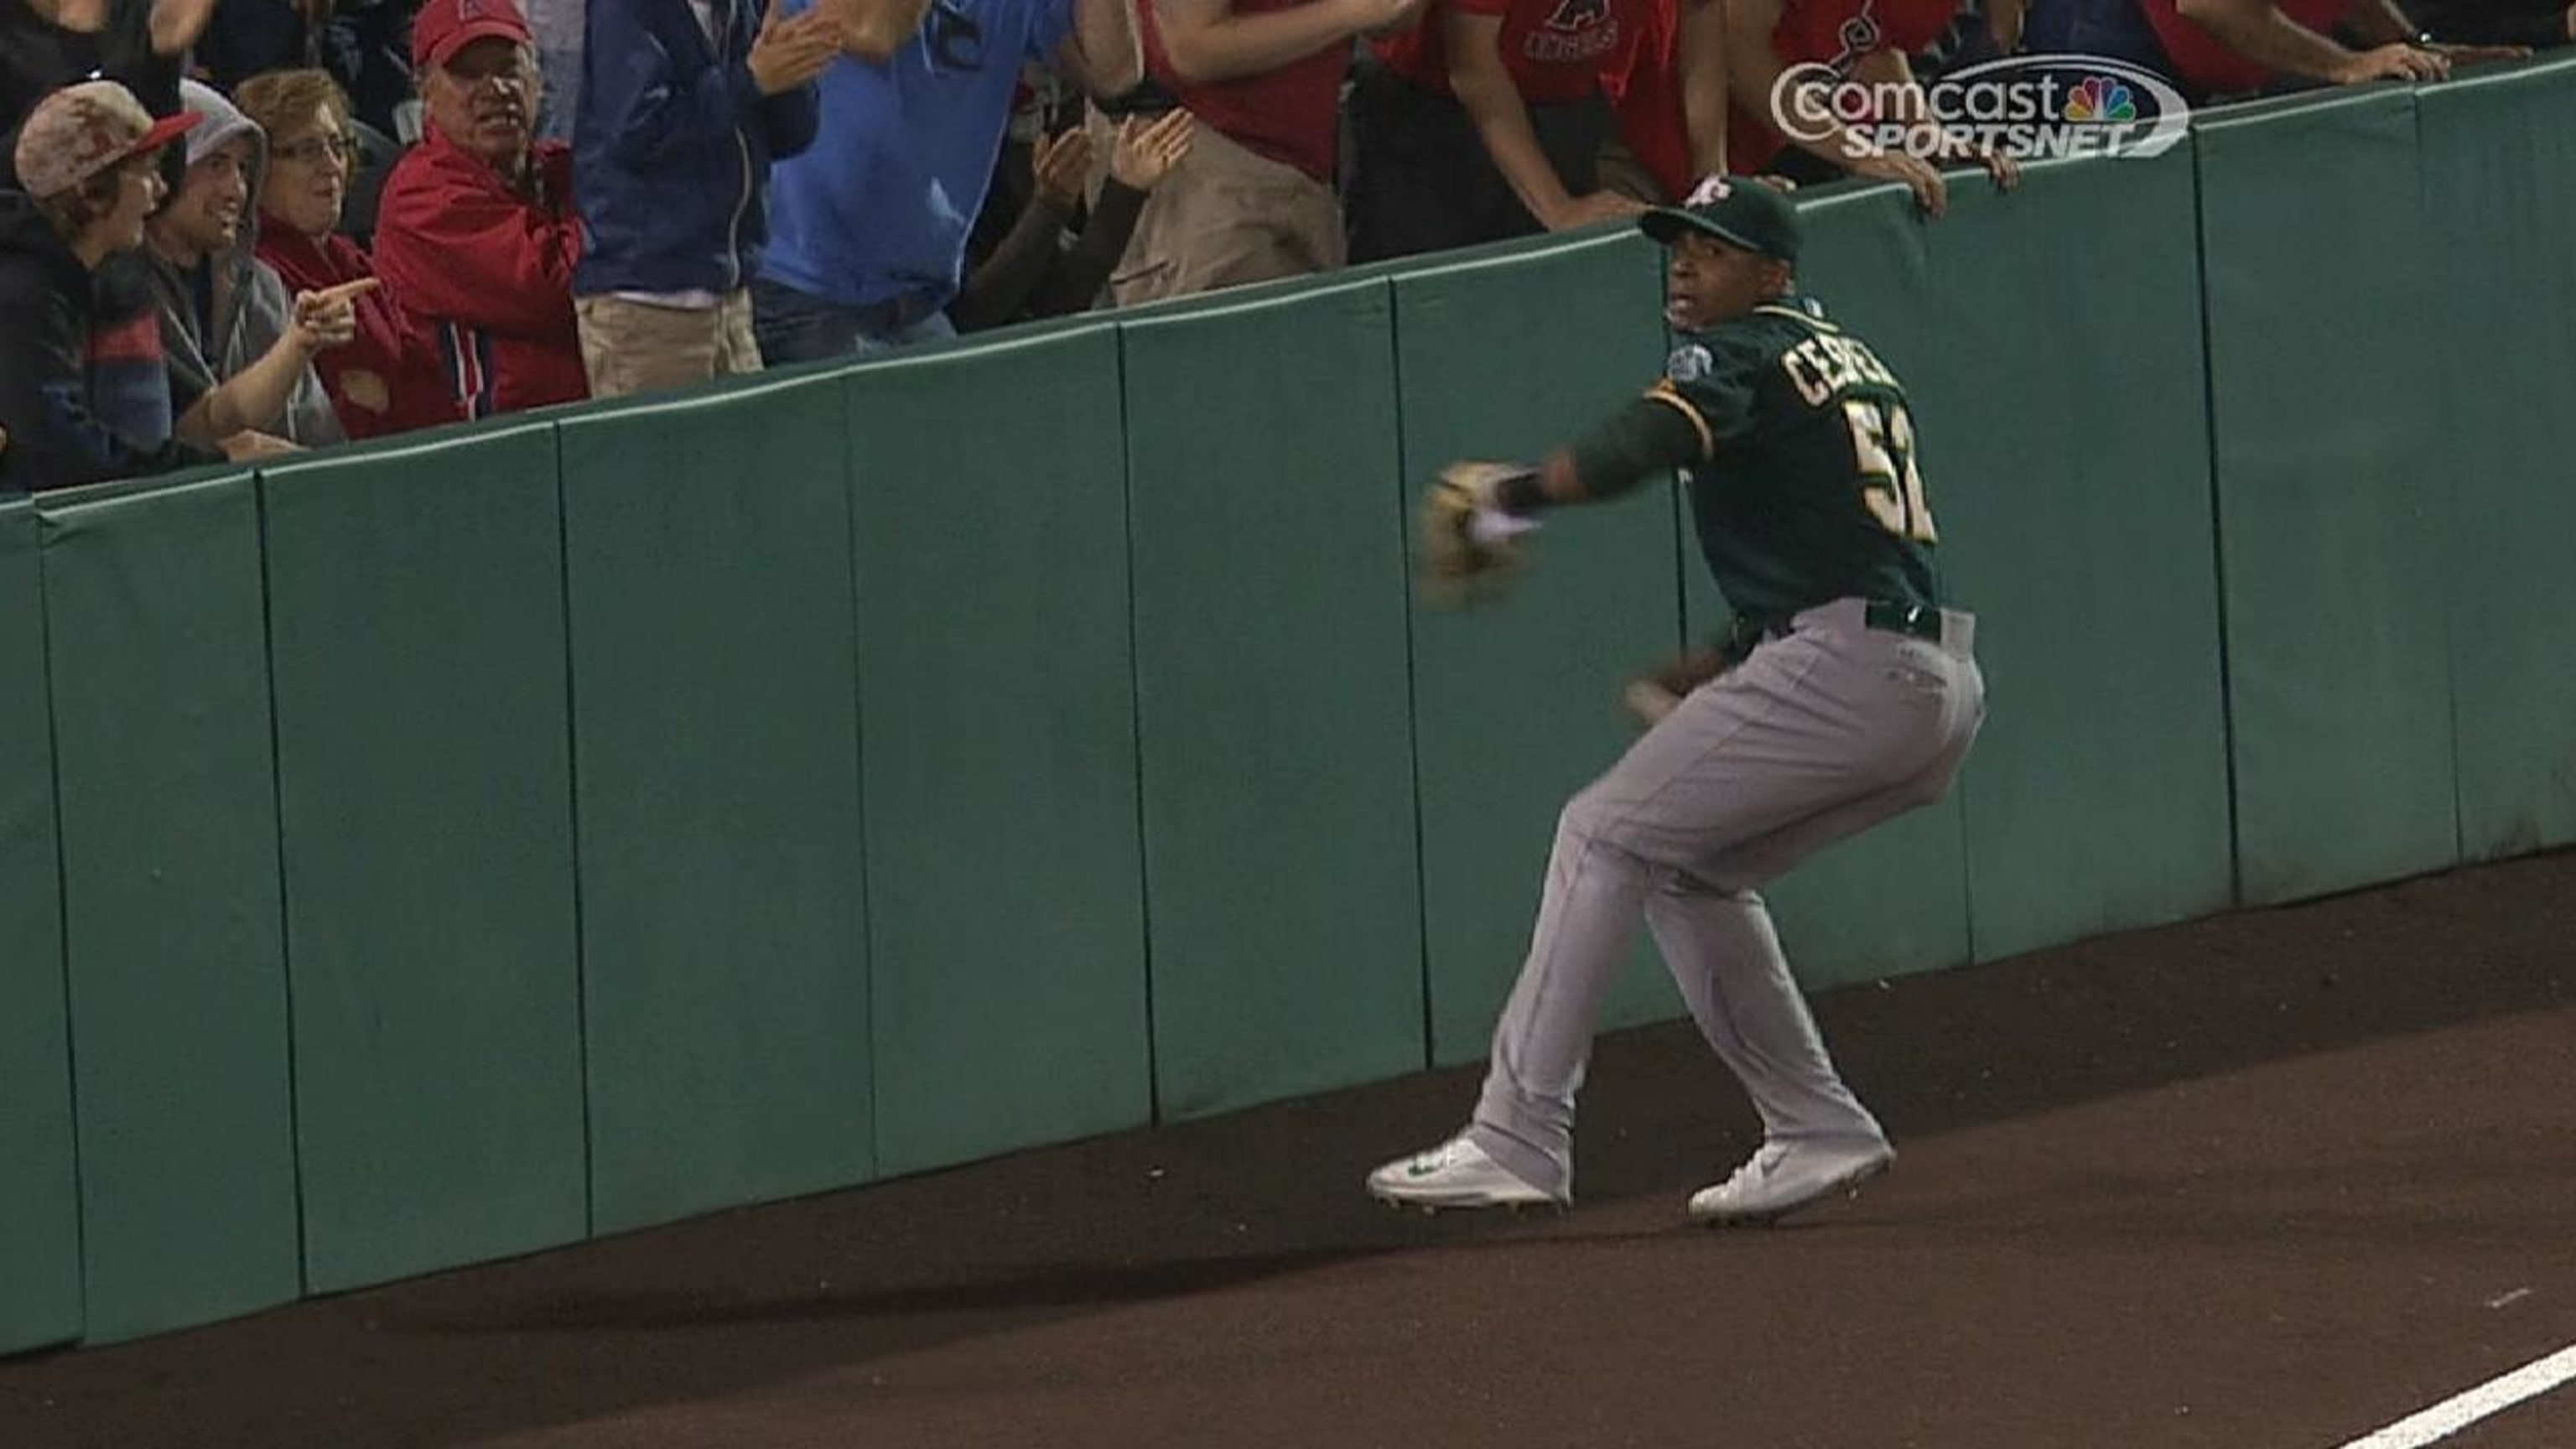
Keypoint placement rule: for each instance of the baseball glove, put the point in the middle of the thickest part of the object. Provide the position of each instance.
(1471, 545)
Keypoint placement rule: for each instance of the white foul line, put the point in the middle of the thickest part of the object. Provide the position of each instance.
(2461, 1410)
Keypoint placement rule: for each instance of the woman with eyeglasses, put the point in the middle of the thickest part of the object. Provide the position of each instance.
(388, 380)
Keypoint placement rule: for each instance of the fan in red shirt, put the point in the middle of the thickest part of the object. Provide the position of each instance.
(388, 379)
(2224, 49)
(1254, 199)
(1671, 100)
(1486, 121)
(1857, 40)
(2232, 47)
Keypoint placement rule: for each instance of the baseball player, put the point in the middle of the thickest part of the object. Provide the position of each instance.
(1851, 696)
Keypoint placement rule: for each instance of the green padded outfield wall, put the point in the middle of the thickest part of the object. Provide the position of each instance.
(1143, 778)
(40, 1288)
(178, 972)
(1283, 896)
(2335, 496)
(417, 620)
(2065, 441)
(998, 720)
(2499, 161)
(1516, 703)
(716, 774)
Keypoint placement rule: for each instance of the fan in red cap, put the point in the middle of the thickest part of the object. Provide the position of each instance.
(443, 27)
(476, 235)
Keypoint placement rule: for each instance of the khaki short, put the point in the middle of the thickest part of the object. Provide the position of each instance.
(1225, 217)
(630, 347)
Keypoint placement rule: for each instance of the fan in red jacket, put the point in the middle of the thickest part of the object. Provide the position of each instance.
(476, 234)
(389, 378)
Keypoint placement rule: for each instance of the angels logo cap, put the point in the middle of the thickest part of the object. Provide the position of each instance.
(445, 27)
(1737, 210)
(81, 130)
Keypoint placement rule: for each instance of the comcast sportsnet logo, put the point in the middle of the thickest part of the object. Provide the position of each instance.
(2025, 107)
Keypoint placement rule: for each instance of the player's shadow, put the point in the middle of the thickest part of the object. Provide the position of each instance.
(1035, 1289)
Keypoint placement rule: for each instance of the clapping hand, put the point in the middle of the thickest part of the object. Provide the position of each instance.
(1062, 165)
(1148, 150)
(789, 51)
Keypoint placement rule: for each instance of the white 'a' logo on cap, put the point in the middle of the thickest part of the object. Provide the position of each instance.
(1710, 189)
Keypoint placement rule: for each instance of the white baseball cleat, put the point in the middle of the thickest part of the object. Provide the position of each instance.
(1455, 1174)
(1785, 1176)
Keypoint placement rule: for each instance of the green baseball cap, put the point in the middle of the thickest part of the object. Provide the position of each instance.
(1737, 210)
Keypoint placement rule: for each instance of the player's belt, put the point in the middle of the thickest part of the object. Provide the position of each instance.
(1920, 621)
(1751, 631)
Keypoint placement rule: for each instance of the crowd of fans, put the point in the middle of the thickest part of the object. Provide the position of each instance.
(234, 228)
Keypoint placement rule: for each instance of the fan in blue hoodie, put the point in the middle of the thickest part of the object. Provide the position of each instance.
(683, 105)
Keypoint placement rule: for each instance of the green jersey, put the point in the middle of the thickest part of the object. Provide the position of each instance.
(1806, 489)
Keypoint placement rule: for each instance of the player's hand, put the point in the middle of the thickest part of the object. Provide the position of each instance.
(328, 318)
(1594, 207)
(1062, 164)
(1147, 151)
(1659, 691)
(789, 52)
(1931, 193)
(2395, 61)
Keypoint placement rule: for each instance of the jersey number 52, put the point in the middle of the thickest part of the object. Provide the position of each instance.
(1882, 435)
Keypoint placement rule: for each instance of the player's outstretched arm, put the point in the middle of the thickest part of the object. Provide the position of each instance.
(1647, 439)
(1476, 517)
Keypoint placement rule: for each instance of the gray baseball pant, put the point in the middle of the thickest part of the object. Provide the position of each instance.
(1816, 737)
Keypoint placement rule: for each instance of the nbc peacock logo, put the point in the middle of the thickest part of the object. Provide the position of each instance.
(2101, 99)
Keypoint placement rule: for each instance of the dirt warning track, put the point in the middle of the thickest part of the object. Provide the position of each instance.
(2278, 1178)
